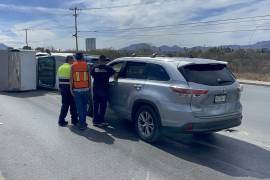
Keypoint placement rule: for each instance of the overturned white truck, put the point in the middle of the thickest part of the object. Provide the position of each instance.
(17, 70)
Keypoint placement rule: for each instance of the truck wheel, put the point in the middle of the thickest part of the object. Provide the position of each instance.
(147, 124)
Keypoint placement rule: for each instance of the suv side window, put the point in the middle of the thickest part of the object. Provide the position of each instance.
(118, 67)
(157, 73)
(135, 70)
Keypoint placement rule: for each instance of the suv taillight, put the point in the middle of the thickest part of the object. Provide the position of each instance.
(188, 91)
(240, 88)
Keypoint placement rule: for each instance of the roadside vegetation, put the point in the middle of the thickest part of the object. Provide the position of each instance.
(245, 63)
(251, 64)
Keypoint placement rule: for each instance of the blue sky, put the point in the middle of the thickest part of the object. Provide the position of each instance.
(51, 22)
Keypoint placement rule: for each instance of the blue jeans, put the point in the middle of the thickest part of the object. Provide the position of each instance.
(81, 100)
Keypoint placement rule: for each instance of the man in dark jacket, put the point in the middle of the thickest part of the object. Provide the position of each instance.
(101, 74)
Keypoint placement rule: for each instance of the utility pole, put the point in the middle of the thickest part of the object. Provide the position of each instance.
(26, 37)
(76, 25)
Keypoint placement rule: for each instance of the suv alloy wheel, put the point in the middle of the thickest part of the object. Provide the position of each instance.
(147, 124)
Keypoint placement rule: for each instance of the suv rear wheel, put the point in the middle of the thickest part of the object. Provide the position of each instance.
(147, 124)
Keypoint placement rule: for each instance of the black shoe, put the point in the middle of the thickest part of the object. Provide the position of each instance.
(96, 124)
(81, 127)
(63, 123)
(103, 124)
(75, 122)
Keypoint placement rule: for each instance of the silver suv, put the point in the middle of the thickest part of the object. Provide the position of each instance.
(175, 94)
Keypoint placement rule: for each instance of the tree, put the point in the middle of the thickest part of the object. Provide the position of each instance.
(27, 47)
(48, 51)
(41, 49)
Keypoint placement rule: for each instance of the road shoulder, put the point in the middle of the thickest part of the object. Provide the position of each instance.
(252, 82)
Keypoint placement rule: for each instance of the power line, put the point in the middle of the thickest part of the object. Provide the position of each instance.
(53, 28)
(198, 33)
(113, 7)
(179, 34)
(38, 26)
(60, 11)
(194, 33)
(39, 29)
(124, 5)
(166, 28)
(179, 24)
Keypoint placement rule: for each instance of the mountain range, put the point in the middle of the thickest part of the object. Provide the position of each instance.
(3, 46)
(175, 48)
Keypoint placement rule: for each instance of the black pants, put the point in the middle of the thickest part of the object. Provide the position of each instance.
(67, 102)
(100, 105)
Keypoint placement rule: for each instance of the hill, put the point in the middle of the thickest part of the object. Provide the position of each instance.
(3, 46)
(175, 48)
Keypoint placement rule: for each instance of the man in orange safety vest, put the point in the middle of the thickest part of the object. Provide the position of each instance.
(80, 83)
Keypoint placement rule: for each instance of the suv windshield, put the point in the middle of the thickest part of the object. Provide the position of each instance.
(208, 74)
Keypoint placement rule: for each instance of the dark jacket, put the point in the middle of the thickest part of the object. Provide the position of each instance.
(101, 75)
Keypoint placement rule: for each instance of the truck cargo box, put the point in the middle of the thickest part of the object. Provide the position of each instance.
(17, 70)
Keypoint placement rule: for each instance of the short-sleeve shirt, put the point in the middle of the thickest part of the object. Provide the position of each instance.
(101, 75)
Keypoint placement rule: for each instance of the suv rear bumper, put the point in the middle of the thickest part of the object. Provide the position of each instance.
(205, 126)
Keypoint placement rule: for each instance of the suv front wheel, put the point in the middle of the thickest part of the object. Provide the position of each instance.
(147, 124)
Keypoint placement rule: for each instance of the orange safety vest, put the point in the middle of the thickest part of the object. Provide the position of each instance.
(80, 75)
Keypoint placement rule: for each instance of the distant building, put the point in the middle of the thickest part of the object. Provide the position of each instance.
(90, 44)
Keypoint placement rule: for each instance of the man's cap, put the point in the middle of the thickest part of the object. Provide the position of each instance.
(102, 57)
(69, 58)
(79, 56)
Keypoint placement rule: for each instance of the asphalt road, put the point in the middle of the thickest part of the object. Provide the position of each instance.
(32, 146)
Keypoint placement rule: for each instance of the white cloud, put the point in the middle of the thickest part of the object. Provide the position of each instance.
(6, 39)
(161, 12)
(173, 12)
(27, 9)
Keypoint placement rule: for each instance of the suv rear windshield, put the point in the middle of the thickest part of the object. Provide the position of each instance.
(208, 74)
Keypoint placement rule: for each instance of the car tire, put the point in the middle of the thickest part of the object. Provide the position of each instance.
(147, 124)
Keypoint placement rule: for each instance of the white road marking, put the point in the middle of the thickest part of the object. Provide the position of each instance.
(147, 175)
(243, 133)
